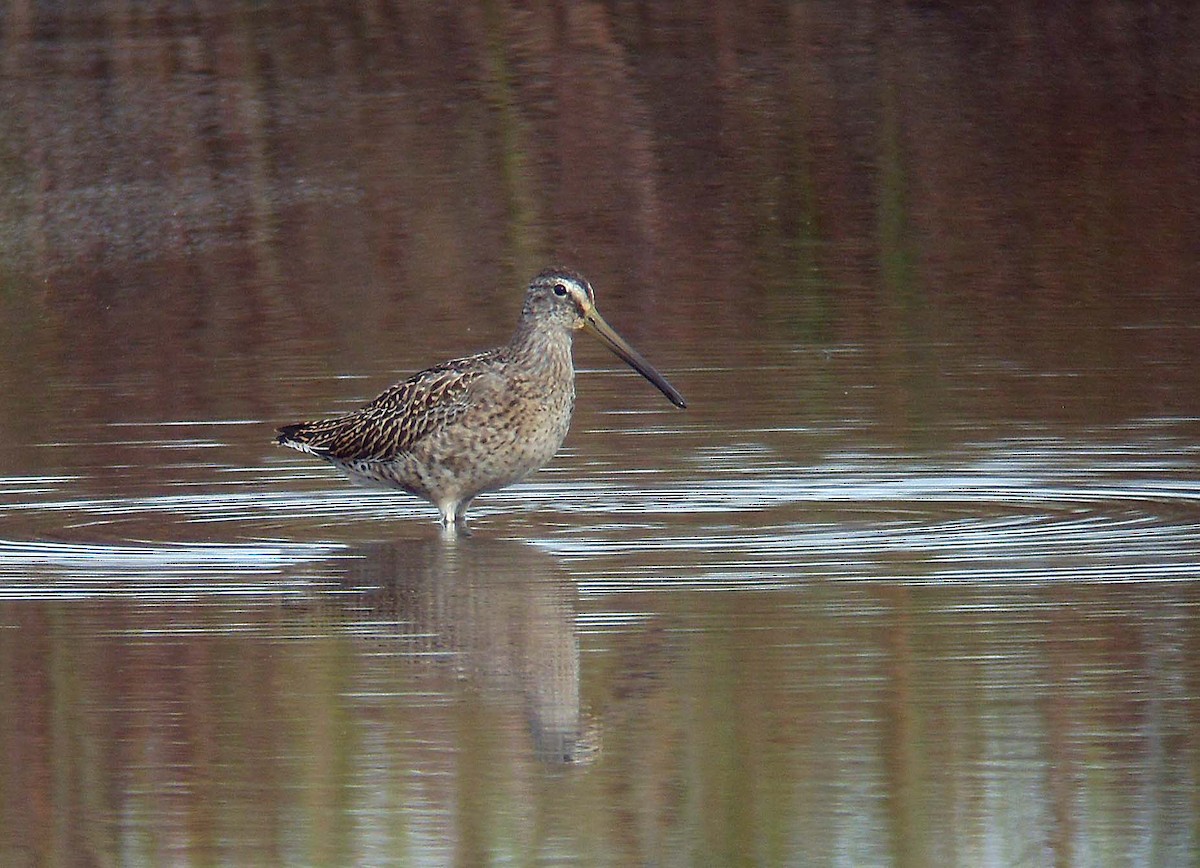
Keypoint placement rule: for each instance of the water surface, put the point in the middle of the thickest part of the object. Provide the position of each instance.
(913, 581)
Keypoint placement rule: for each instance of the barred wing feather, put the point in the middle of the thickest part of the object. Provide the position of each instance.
(393, 422)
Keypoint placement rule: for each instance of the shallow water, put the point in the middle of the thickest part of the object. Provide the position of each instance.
(913, 581)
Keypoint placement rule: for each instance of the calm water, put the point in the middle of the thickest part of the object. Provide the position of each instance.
(913, 581)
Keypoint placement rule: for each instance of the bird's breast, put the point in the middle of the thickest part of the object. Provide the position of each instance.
(512, 428)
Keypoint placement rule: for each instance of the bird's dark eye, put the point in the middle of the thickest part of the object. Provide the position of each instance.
(560, 290)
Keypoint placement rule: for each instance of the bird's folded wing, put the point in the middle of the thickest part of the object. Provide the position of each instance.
(393, 422)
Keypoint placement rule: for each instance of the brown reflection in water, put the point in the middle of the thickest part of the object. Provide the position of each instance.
(209, 206)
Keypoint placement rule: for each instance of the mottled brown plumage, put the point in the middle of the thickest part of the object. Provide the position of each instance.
(479, 423)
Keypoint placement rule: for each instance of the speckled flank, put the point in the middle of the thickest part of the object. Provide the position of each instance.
(474, 424)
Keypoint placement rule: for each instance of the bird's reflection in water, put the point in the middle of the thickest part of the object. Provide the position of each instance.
(502, 612)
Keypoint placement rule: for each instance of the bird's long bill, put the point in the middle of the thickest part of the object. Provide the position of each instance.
(597, 326)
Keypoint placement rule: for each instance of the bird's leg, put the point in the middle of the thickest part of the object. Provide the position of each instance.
(454, 517)
(460, 517)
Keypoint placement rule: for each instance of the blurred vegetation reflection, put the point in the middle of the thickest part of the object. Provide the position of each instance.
(302, 182)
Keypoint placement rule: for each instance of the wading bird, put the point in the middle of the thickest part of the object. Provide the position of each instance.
(476, 424)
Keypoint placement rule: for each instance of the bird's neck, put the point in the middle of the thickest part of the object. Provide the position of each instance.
(540, 344)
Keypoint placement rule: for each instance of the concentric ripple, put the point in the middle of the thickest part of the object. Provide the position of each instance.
(1014, 510)
(33, 569)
